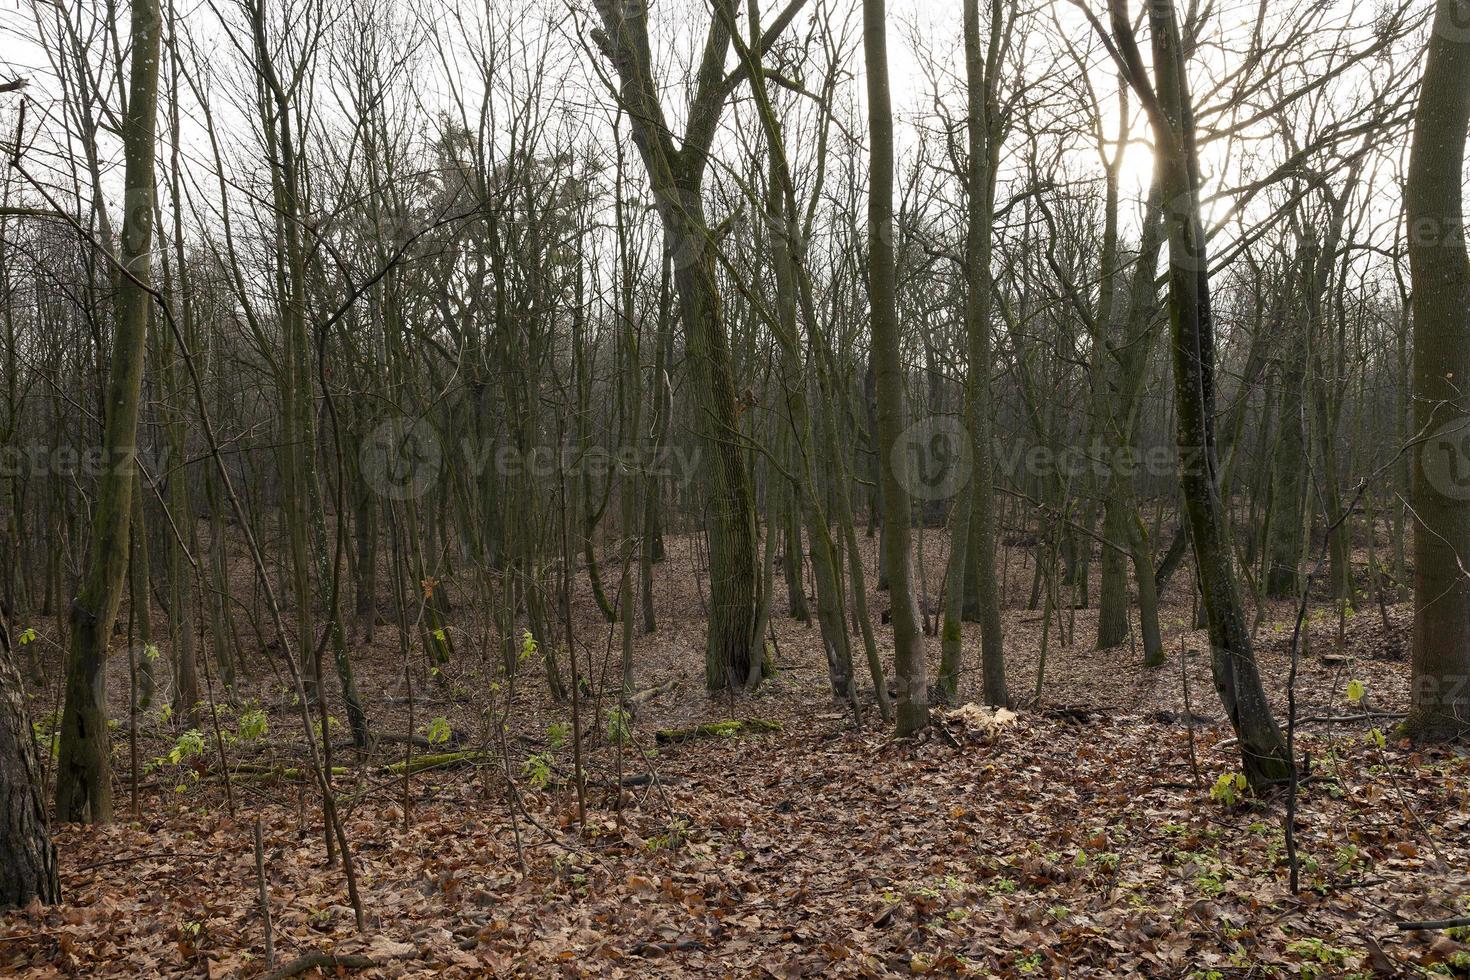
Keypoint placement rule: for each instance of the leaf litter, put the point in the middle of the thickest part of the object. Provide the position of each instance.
(1073, 837)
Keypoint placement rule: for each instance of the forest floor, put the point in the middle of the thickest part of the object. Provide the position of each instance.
(1079, 840)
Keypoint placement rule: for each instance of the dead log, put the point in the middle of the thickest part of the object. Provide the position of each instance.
(730, 728)
(322, 961)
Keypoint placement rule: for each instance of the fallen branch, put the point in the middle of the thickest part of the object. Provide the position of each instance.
(1365, 716)
(716, 729)
(420, 763)
(325, 961)
(444, 760)
(418, 741)
(150, 856)
(252, 770)
(642, 779)
(1460, 923)
(639, 698)
(658, 949)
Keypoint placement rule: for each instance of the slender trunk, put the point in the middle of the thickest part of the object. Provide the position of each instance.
(1237, 679)
(1284, 553)
(893, 464)
(84, 769)
(981, 80)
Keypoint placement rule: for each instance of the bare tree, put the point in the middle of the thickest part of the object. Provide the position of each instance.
(84, 769)
(1171, 112)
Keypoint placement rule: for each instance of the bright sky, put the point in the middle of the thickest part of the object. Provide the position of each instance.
(924, 46)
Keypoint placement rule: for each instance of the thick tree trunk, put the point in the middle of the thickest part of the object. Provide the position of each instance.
(27, 856)
(1441, 306)
(1284, 551)
(1112, 601)
(676, 175)
(730, 522)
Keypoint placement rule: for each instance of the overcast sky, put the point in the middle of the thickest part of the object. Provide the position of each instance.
(924, 37)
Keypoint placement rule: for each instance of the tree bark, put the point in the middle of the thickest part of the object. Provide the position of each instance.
(84, 769)
(1232, 660)
(908, 639)
(1440, 268)
(27, 856)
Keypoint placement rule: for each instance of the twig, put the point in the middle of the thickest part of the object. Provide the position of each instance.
(150, 856)
(265, 899)
(1365, 716)
(1188, 714)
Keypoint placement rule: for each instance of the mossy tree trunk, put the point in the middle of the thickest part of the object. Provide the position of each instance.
(971, 577)
(676, 174)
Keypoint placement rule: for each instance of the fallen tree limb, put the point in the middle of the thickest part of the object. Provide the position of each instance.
(441, 761)
(642, 697)
(643, 779)
(420, 763)
(1337, 719)
(455, 740)
(1460, 923)
(250, 770)
(716, 729)
(324, 961)
(659, 949)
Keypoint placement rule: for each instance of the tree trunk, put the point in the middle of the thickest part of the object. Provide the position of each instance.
(27, 856)
(1441, 305)
(84, 769)
(1237, 680)
(676, 175)
(1284, 553)
(981, 76)
(893, 465)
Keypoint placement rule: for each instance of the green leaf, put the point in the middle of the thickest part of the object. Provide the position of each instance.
(252, 725)
(438, 731)
(1356, 689)
(1228, 788)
